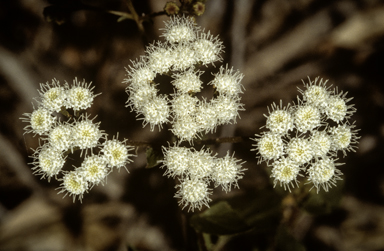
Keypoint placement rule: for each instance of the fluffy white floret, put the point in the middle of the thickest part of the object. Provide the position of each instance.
(285, 172)
(184, 57)
(188, 81)
(323, 174)
(80, 96)
(316, 93)
(226, 172)
(185, 128)
(208, 48)
(94, 169)
(180, 29)
(201, 164)
(53, 96)
(176, 159)
(321, 143)
(86, 133)
(227, 108)
(74, 184)
(49, 161)
(184, 105)
(300, 150)
(280, 120)
(156, 112)
(307, 117)
(40, 121)
(227, 81)
(270, 146)
(116, 153)
(61, 137)
(193, 193)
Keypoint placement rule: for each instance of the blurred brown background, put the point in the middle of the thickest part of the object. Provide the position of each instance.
(275, 43)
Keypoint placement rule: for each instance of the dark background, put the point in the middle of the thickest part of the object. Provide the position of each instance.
(274, 43)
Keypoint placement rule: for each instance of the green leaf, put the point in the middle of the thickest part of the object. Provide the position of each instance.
(323, 202)
(258, 211)
(153, 157)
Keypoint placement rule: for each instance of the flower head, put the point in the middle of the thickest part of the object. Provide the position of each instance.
(176, 159)
(49, 161)
(74, 184)
(180, 30)
(40, 121)
(86, 133)
(285, 171)
(227, 81)
(116, 153)
(94, 169)
(300, 150)
(208, 48)
(270, 146)
(316, 94)
(323, 173)
(307, 118)
(80, 96)
(227, 171)
(53, 96)
(61, 136)
(193, 193)
(280, 120)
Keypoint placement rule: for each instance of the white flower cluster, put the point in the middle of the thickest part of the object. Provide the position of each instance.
(196, 169)
(186, 49)
(307, 136)
(78, 132)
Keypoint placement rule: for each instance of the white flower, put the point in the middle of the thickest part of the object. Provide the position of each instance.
(185, 128)
(201, 164)
(176, 159)
(74, 184)
(285, 171)
(206, 117)
(49, 161)
(61, 137)
(116, 153)
(53, 96)
(184, 105)
(208, 48)
(227, 81)
(307, 117)
(300, 150)
(94, 169)
(280, 120)
(321, 143)
(187, 81)
(323, 173)
(193, 193)
(183, 57)
(86, 133)
(139, 98)
(40, 121)
(337, 108)
(227, 108)
(316, 94)
(156, 112)
(270, 146)
(140, 74)
(159, 57)
(226, 172)
(344, 138)
(180, 30)
(80, 96)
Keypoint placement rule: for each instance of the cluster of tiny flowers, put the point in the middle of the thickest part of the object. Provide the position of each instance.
(186, 49)
(304, 138)
(196, 169)
(60, 137)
